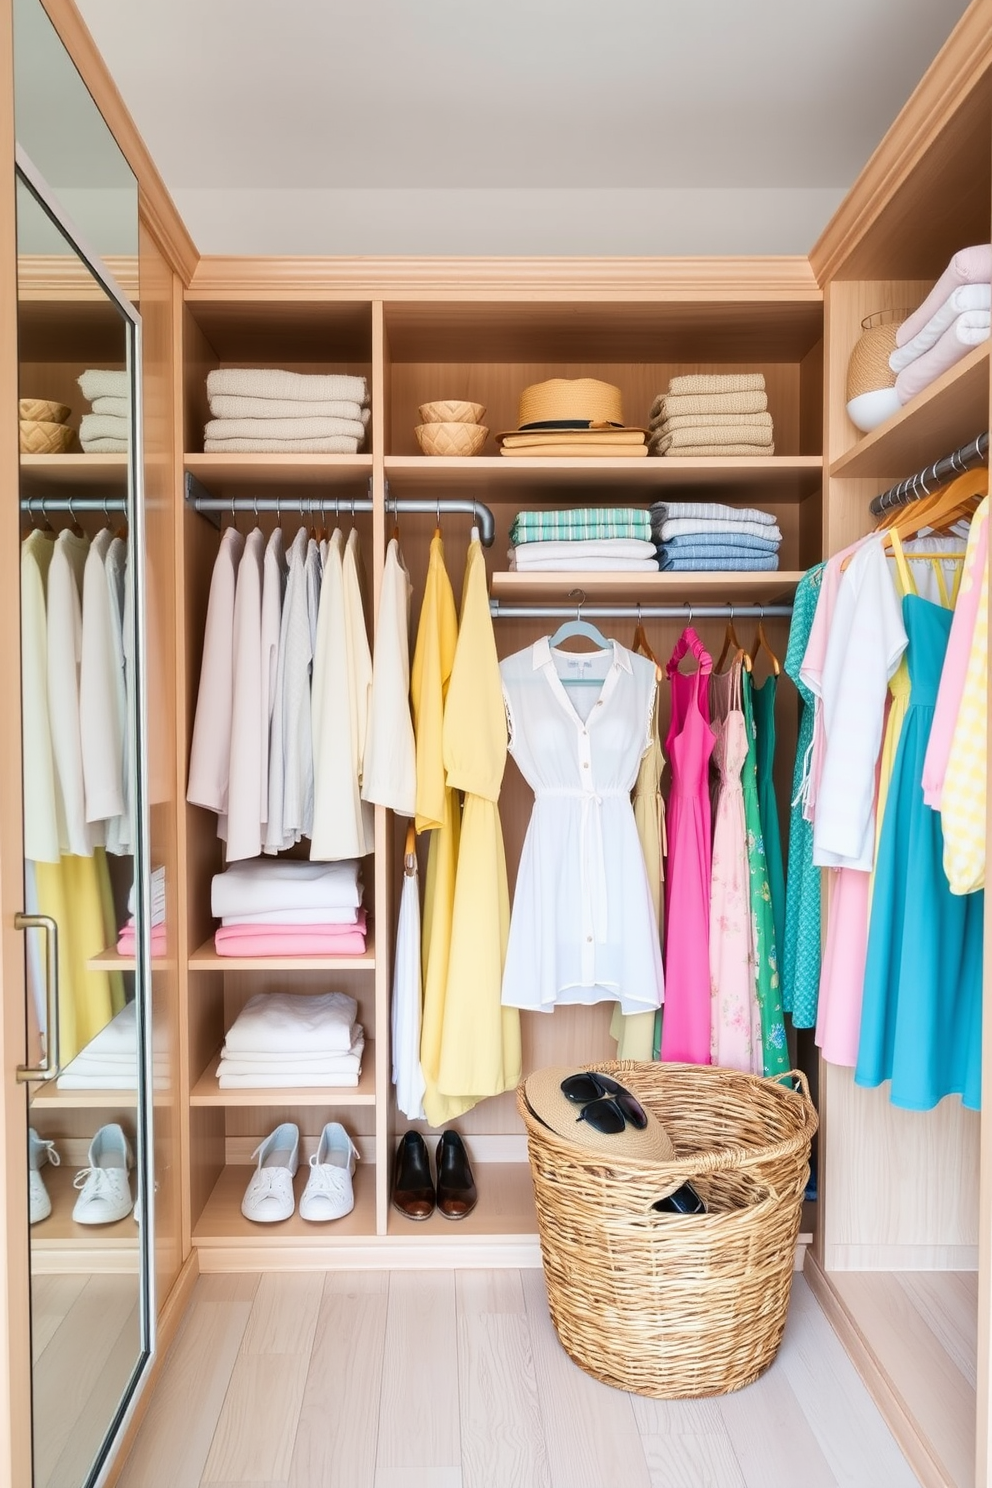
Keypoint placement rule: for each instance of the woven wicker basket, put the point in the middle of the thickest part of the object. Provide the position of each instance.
(451, 439)
(39, 437)
(44, 409)
(452, 412)
(670, 1305)
(868, 368)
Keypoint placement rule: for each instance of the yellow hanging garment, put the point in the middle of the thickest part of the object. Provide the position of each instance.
(963, 799)
(480, 1045)
(437, 808)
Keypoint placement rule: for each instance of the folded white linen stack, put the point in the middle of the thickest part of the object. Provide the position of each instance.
(954, 317)
(288, 907)
(110, 1059)
(265, 410)
(106, 430)
(703, 415)
(295, 1040)
(597, 555)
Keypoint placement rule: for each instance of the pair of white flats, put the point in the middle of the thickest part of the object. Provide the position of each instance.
(329, 1193)
(105, 1189)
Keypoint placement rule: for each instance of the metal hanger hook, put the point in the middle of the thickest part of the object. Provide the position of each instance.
(254, 507)
(579, 595)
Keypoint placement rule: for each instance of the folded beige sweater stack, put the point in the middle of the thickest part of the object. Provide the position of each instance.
(267, 411)
(704, 414)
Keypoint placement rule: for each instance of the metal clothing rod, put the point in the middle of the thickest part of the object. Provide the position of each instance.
(501, 611)
(41, 505)
(926, 481)
(202, 501)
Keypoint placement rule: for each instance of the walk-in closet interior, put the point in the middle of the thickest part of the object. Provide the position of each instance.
(113, 323)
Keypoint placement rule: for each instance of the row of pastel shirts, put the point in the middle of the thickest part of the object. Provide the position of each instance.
(888, 648)
(585, 921)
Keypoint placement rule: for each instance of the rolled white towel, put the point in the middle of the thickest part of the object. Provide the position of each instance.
(336, 444)
(116, 407)
(965, 297)
(231, 406)
(98, 383)
(968, 266)
(287, 428)
(269, 382)
(102, 426)
(970, 329)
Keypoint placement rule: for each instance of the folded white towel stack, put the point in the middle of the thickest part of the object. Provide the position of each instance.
(954, 317)
(265, 410)
(110, 1060)
(298, 1040)
(105, 431)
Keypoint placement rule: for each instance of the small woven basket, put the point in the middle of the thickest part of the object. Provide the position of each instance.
(670, 1305)
(44, 409)
(868, 369)
(453, 411)
(451, 439)
(39, 437)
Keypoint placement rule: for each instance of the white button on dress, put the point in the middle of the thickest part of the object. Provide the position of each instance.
(582, 928)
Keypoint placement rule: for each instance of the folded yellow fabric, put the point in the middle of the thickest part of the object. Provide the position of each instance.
(718, 382)
(710, 421)
(578, 450)
(669, 404)
(714, 451)
(676, 439)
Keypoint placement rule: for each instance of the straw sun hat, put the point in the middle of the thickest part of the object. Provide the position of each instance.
(545, 1098)
(580, 405)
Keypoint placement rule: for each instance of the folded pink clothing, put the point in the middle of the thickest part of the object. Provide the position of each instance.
(970, 329)
(968, 266)
(126, 943)
(290, 940)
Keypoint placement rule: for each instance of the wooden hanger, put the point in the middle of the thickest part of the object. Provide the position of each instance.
(945, 506)
(642, 645)
(761, 644)
(410, 851)
(730, 640)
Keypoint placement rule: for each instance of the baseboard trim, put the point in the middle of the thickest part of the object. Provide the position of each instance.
(914, 1446)
(384, 1253)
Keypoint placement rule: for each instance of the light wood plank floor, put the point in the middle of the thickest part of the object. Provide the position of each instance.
(457, 1380)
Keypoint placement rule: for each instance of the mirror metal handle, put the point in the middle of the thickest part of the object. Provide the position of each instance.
(50, 1067)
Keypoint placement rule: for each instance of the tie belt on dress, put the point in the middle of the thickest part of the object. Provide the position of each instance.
(592, 864)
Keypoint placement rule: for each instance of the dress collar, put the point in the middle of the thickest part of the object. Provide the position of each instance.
(541, 655)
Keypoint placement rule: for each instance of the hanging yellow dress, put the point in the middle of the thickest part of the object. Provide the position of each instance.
(635, 1033)
(963, 799)
(480, 1044)
(437, 809)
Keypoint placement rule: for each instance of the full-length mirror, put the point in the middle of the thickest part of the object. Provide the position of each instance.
(86, 883)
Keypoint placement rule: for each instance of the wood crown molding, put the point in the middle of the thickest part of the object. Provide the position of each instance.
(54, 276)
(156, 205)
(958, 68)
(507, 278)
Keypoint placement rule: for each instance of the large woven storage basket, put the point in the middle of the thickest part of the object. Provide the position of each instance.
(665, 1304)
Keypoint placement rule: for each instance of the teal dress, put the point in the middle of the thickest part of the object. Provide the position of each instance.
(774, 1050)
(801, 948)
(764, 719)
(921, 1017)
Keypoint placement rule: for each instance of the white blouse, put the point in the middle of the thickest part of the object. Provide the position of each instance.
(244, 795)
(65, 645)
(210, 754)
(390, 773)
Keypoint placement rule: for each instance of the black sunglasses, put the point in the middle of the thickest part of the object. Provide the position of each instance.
(606, 1106)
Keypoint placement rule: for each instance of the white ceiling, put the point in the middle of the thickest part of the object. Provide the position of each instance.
(528, 126)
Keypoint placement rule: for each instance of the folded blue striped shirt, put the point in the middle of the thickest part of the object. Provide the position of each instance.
(735, 563)
(731, 541)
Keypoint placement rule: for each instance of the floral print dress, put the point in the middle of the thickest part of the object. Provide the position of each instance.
(775, 1053)
(735, 1031)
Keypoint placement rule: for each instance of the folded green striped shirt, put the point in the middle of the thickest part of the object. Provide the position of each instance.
(581, 524)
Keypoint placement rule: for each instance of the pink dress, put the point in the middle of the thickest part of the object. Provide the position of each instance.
(735, 1037)
(685, 1028)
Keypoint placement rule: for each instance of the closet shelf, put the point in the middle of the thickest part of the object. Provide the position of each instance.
(505, 1208)
(648, 588)
(222, 1225)
(207, 1092)
(207, 959)
(489, 478)
(49, 1097)
(947, 414)
(280, 473)
(60, 1230)
(43, 473)
(112, 960)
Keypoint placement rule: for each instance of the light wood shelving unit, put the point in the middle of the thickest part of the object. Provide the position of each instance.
(208, 959)
(658, 588)
(207, 1091)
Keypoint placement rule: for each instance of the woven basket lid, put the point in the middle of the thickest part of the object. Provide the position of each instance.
(564, 399)
(543, 1092)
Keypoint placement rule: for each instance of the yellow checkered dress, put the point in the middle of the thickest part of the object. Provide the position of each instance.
(963, 801)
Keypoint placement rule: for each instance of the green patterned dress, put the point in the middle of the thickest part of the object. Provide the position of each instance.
(801, 951)
(775, 1053)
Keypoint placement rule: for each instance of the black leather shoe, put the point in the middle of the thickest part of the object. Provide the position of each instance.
(413, 1191)
(456, 1191)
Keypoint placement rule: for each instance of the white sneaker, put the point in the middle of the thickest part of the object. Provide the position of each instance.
(269, 1196)
(106, 1191)
(329, 1193)
(40, 1151)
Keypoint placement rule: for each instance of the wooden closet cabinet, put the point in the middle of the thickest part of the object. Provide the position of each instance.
(900, 1250)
